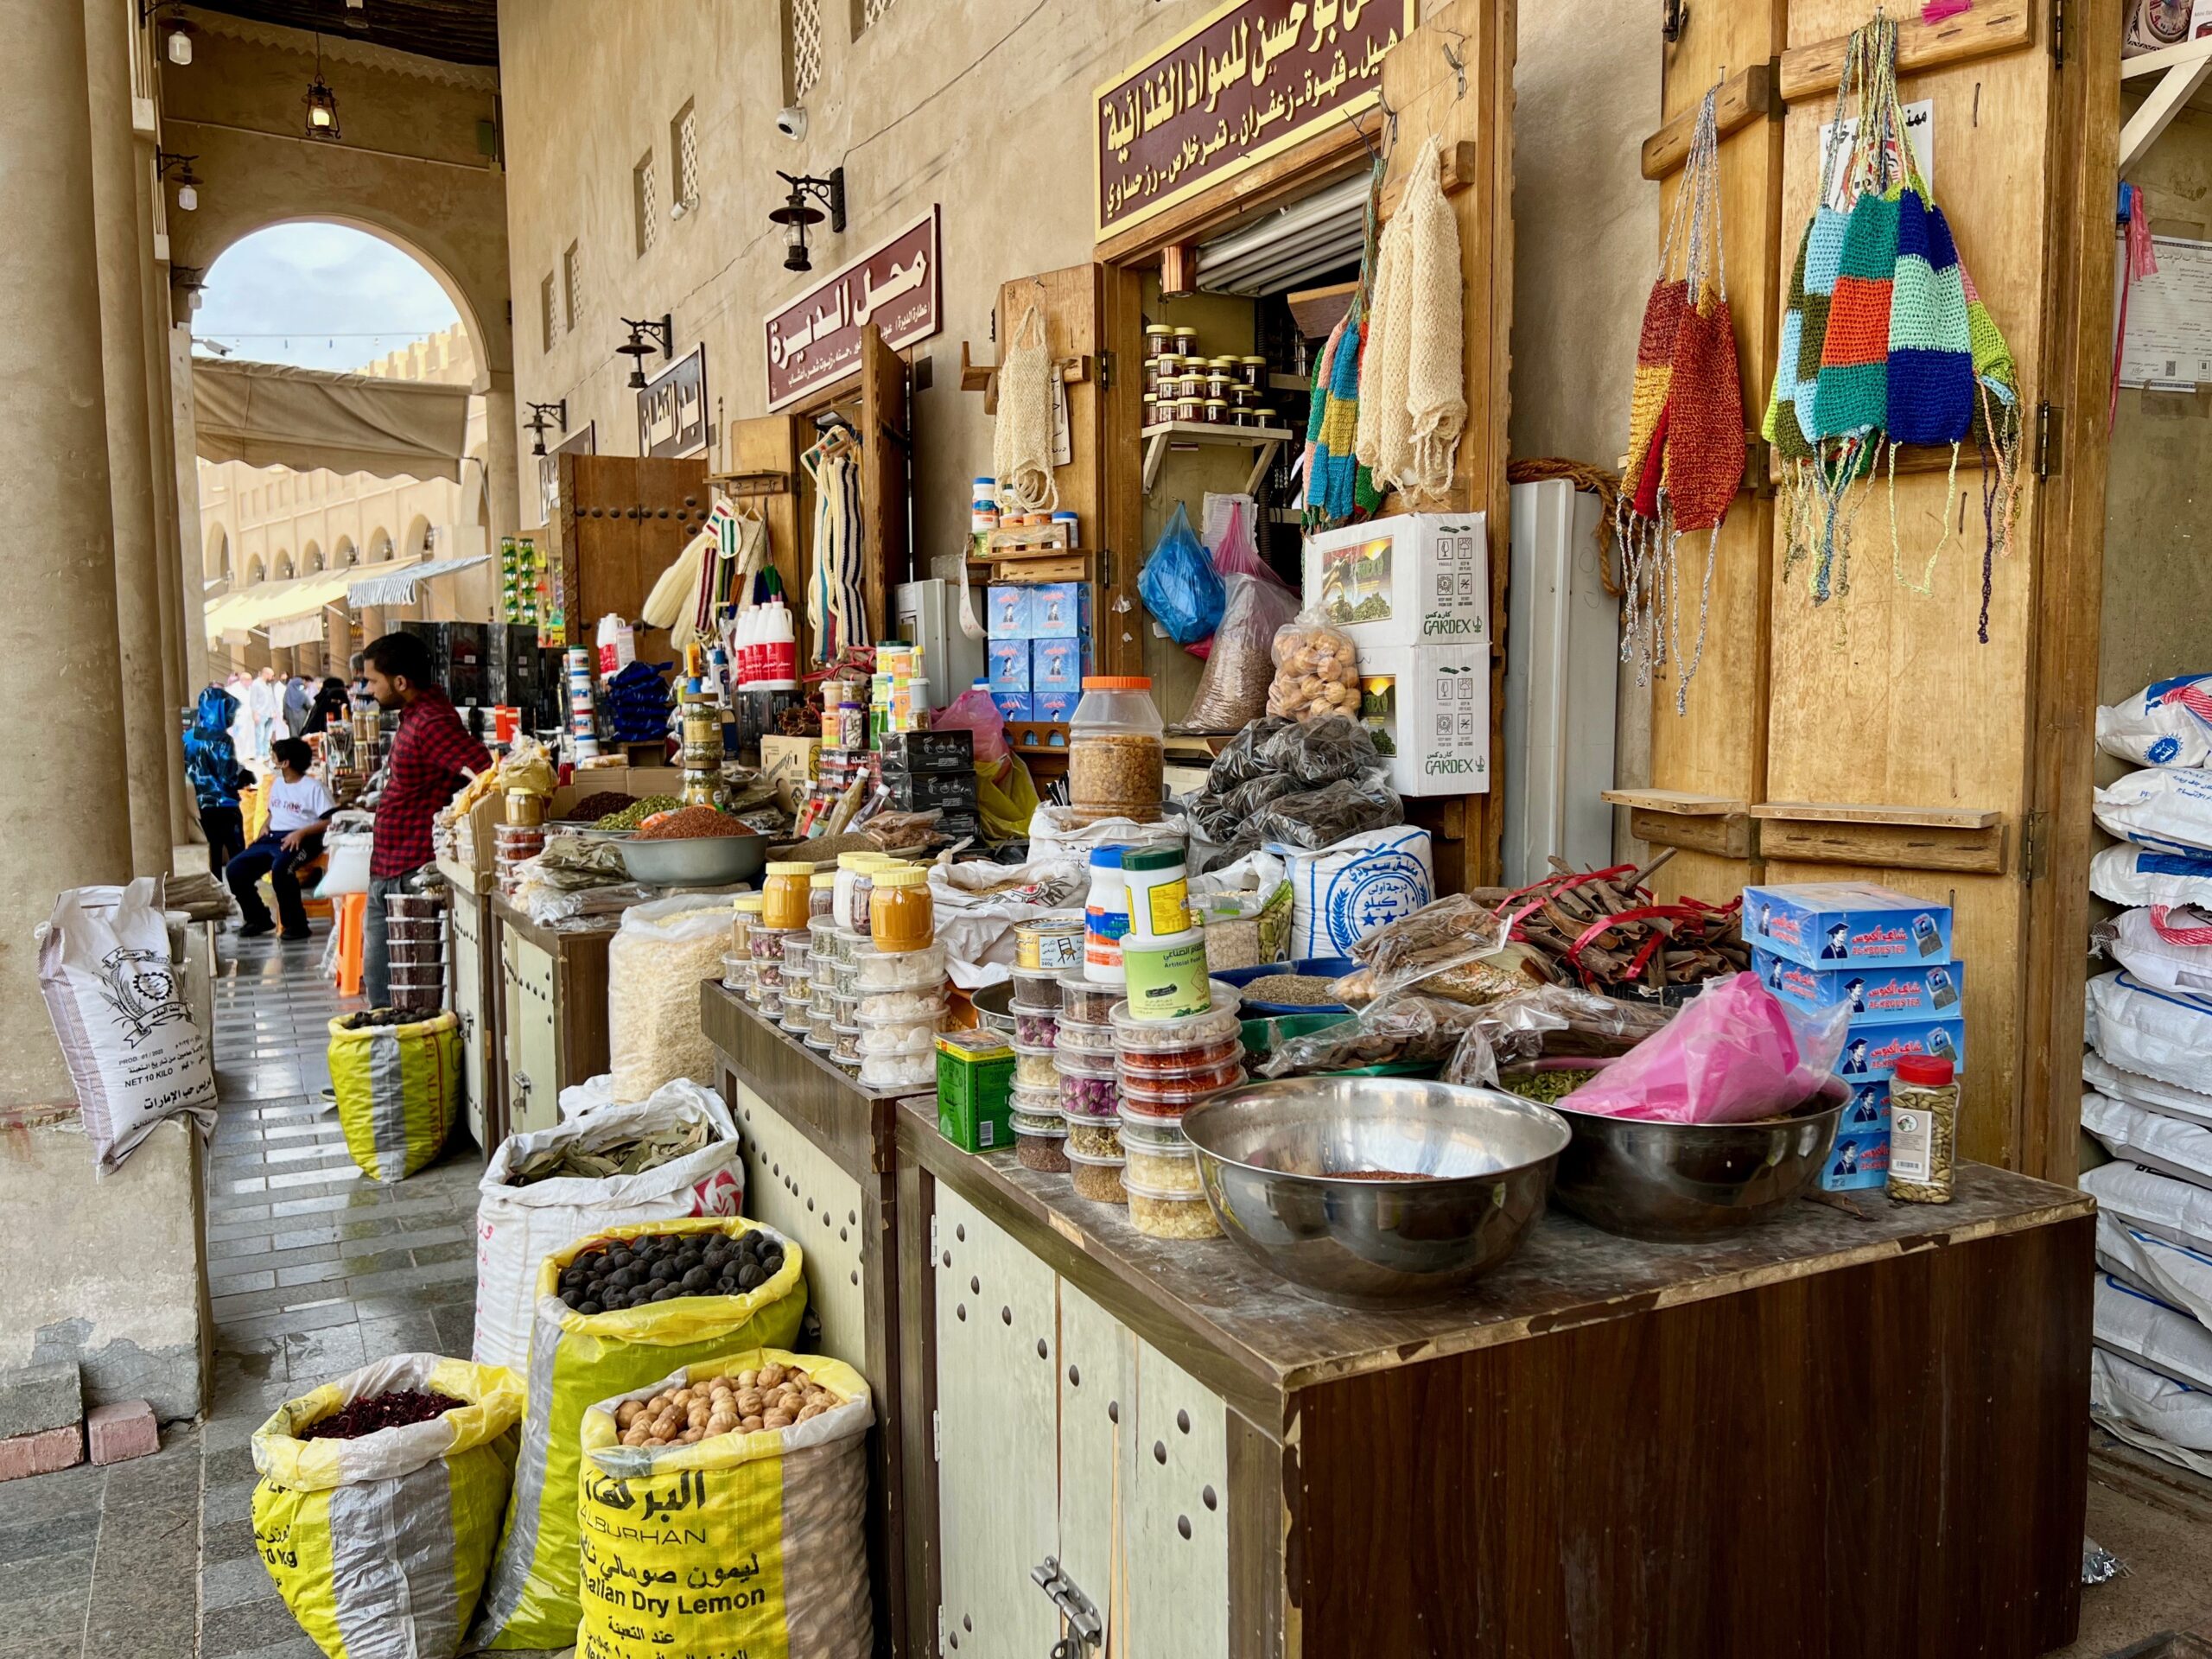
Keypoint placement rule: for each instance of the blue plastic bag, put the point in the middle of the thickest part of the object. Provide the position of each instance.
(1179, 585)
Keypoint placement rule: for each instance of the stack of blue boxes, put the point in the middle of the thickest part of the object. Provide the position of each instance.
(1038, 648)
(1887, 956)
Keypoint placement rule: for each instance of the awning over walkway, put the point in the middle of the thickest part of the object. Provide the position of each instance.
(398, 587)
(275, 601)
(273, 414)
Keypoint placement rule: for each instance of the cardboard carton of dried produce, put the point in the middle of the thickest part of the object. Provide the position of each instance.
(1417, 578)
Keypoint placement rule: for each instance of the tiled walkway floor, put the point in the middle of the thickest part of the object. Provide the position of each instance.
(315, 1270)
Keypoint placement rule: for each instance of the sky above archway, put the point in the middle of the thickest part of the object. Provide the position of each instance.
(321, 297)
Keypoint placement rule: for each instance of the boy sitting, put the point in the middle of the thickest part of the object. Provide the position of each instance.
(299, 810)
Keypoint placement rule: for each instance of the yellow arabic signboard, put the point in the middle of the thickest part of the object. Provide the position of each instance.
(1248, 82)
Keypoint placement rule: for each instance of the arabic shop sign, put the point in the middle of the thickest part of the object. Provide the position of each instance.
(672, 408)
(1249, 81)
(816, 340)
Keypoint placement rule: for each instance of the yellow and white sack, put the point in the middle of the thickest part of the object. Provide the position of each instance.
(399, 1091)
(751, 1543)
(380, 1545)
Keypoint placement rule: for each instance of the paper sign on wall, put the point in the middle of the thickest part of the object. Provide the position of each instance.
(2169, 340)
(1920, 127)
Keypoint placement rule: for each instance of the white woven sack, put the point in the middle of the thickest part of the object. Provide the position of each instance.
(517, 1227)
(2101, 1075)
(120, 1013)
(658, 957)
(2169, 812)
(2155, 1032)
(2168, 724)
(2167, 947)
(2149, 1331)
(2172, 1273)
(2128, 874)
(2165, 1418)
(2172, 1146)
(2180, 1212)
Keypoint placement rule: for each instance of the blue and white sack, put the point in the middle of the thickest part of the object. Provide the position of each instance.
(2167, 811)
(2168, 724)
(2128, 874)
(1342, 893)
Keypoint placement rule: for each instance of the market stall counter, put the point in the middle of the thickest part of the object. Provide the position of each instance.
(1855, 1429)
(473, 983)
(819, 1151)
(552, 1011)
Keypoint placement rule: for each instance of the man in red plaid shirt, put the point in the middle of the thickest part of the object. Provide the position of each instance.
(432, 756)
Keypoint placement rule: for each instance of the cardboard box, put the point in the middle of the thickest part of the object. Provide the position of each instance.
(1059, 610)
(1013, 705)
(920, 792)
(473, 840)
(1846, 923)
(1876, 996)
(791, 764)
(1416, 578)
(1007, 663)
(1428, 707)
(1868, 1112)
(1054, 704)
(1057, 664)
(1008, 614)
(947, 751)
(1871, 1055)
(1858, 1158)
(975, 1090)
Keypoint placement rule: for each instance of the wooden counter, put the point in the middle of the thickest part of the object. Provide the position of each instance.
(1825, 1435)
(819, 1152)
(473, 981)
(552, 1013)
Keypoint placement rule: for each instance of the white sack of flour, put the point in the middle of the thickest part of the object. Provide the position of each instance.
(2169, 812)
(2129, 874)
(2150, 1093)
(1343, 892)
(2168, 724)
(2173, 1145)
(2155, 1413)
(2168, 948)
(2154, 1033)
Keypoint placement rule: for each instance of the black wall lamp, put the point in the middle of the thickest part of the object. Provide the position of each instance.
(187, 182)
(637, 348)
(538, 423)
(795, 215)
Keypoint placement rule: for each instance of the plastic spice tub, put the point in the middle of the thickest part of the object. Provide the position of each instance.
(1160, 1170)
(1145, 1062)
(1082, 1000)
(737, 972)
(768, 976)
(1172, 1096)
(899, 970)
(1041, 1148)
(1090, 1040)
(772, 1005)
(1196, 1034)
(1096, 1179)
(1036, 1100)
(1159, 1214)
(897, 1036)
(1090, 1096)
(907, 1070)
(822, 932)
(1094, 1137)
(847, 1046)
(1038, 1029)
(1033, 1068)
(1073, 1062)
(797, 1018)
(901, 916)
(1037, 989)
(877, 1007)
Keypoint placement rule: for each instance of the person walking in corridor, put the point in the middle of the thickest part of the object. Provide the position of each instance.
(210, 761)
(432, 757)
(299, 810)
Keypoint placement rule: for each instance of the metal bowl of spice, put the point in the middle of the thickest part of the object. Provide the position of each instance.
(694, 847)
(1375, 1191)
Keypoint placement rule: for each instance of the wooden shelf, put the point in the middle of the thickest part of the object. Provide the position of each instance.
(1265, 439)
(1891, 837)
(1745, 97)
(1986, 29)
(1699, 823)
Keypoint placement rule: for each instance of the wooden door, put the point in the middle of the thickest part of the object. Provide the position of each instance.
(887, 476)
(619, 524)
(764, 478)
(534, 1052)
(1093, 327)
(477, 1026)
(1877, 736)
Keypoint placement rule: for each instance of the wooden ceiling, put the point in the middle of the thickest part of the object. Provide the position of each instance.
(456, 31)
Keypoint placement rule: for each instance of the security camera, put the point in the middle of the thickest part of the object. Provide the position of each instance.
(791, 123)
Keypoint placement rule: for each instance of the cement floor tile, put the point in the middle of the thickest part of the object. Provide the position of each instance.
(316, 1355)
(457, 1324)
(238, 1284)
(403, 1333)
(290, 1321)
(299, 1647)
(25, 1542)
(69, 1572)
(403, 1280)
(227, 1632)
(51, 1627)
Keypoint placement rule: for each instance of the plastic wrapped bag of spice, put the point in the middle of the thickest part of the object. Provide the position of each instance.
(655, 963)
(378, 1540)
(577, 1359)
(763, 1454)
(668, 1157)
(399, 1091)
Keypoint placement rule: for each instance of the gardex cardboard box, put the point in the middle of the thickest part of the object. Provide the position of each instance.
(1429, 709)
(1416, 578)
(1876, 996)
(1827, 924)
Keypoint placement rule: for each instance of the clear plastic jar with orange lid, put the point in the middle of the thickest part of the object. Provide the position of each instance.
(787, 896)
(900, 914)
(1116, 751)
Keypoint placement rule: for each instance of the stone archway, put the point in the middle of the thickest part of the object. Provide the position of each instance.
(311, 559)
(215, 557)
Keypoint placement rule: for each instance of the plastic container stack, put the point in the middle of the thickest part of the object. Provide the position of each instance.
(1090, 1099)
(1040, 1131)
(1163, 1068)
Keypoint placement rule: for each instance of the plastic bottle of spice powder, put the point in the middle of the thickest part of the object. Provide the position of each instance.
(1116, 751)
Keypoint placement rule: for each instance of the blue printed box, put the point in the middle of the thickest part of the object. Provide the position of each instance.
(1867, 1112)
(1876, 996)
(1059, 610)
(1858, 1158)
(1055, 665)
(1008, 612)
(1872, 1052)
(1050, 704)
(1846, 923)
(1013, 705)
(1007, 663)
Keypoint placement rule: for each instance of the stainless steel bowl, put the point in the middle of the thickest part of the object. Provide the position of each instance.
(1269, 1152)
(700, 861)
(1669, 1181)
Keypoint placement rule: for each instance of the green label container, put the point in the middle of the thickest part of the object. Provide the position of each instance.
(1167, 976)
(975, 1090)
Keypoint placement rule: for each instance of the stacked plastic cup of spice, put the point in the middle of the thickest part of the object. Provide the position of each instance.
(822, 1008)
(1084, 1053)
(737, 965)
(1040, 1133)
(781, 948)
(899, 973)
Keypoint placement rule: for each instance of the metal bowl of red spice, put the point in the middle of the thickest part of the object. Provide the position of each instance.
(393, 1408)
(694, 847)
(1375, 1191)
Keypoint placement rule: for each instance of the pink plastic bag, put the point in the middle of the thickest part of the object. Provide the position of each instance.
(1270, 596)
(974, 711)
(1733, 1054)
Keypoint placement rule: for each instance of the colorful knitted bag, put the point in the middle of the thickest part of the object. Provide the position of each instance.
(1853, 395)
(1931, 350)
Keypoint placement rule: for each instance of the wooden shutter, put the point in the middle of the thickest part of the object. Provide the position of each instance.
(1875, 737)
(764, 477)
(887, 461)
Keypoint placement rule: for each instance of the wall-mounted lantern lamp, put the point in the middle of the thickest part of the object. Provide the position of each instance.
(186, 280)
(322, 103)
(178, 41)
(542, 415)
(795, 215)
(187, 182)
(638, 347)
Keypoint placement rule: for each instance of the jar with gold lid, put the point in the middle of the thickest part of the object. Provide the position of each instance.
(1214, 411)
(1159, 339)
(1264, 415)
(1252, 371)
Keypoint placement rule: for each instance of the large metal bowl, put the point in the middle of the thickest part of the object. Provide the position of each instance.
(1269, 1155)
(699, 861)
(1673, 1181)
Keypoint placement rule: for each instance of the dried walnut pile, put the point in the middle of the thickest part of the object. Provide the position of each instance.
(774, 1396)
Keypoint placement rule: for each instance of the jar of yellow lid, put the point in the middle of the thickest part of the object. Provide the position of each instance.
(900, 917)
(744, 916)
(784, 896)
